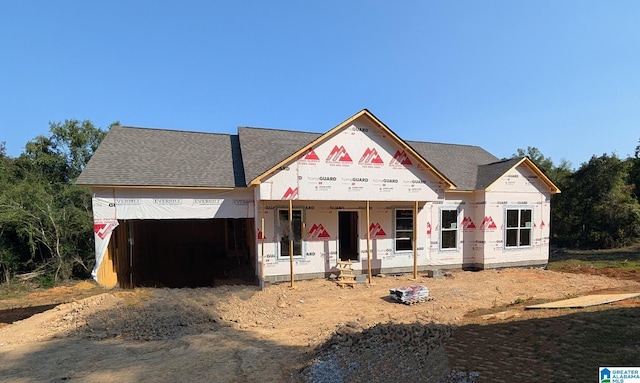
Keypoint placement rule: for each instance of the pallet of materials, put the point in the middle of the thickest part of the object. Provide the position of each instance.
(410, 294)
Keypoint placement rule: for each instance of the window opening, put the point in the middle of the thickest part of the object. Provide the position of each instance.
(449, 229)
(518, 230)
(404, 230)
(286, 234)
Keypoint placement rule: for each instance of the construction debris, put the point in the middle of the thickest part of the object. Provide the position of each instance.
(410, 294)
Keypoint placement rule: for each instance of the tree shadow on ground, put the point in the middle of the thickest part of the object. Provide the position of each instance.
(563, 348)
(9, 316)
(177, 342)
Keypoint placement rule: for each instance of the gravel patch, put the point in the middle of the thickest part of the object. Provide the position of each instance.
(387, 352)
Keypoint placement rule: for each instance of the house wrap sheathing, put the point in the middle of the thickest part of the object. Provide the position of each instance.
(179, 208)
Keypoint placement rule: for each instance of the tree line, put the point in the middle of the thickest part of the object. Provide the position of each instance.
(599, 203)
(46, 222)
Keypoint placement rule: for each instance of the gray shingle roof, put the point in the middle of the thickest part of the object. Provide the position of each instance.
(459, 163)
(490, 173)
(263, 149)
(154, 157)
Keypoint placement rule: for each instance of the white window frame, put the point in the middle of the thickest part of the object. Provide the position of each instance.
(518, 228)
(402, 234)
(455, 228)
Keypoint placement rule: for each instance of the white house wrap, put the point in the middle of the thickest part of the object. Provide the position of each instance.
(222, 206)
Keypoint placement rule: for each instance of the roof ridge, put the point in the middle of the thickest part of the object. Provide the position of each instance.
(278, 130)
(172, 130)
(321, 133)
(443, 143)
(504, 160)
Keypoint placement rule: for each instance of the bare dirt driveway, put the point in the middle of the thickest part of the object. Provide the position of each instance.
(242, 334)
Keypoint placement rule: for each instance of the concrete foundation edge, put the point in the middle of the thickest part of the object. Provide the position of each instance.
(404, 270)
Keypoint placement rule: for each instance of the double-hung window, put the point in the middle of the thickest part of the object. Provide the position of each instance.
(404, 230)
(289, 232)
(518, 230)
(448, 229)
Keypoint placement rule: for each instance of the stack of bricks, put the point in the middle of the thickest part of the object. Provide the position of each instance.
(410, 294)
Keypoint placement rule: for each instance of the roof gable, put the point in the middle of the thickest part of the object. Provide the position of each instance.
(490, 174)
(361, 160)
(366, 117)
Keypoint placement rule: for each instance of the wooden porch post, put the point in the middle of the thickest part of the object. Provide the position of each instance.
(291, 240)
(415, 240)
(368, 245)
(261, 253)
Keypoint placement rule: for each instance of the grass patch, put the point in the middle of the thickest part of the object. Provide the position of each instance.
(625, 259)
(13, 289)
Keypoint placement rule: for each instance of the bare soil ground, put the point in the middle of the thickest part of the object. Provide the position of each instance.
(241, 334)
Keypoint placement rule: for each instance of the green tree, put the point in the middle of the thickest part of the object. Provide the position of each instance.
(45, 219)
(8, 258)
(557, 174)
(76, 142)
(543, 163)
(634, 172)
(597, 208)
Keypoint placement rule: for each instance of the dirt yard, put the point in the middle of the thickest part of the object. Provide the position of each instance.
(241, 334)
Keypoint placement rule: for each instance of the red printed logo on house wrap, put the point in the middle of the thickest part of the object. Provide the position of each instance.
(376, 231)
(291, 194)
(400, 159)
(318, 232)
(467, 224)
(310, 155)
(488, 224)
(339, 155)
(102, 228)
(370, 157)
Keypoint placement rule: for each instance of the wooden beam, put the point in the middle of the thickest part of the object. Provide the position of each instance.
(261, 253)
(291, 240)
(368, 246)
(415, 240)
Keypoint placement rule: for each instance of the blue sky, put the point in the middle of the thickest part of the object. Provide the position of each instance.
(563, 76)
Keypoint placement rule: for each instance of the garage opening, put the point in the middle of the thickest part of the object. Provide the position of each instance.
(183, 252)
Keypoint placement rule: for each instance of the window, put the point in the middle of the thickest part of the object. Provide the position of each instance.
(404, 230)
(518, 231)
(294, 233)
(449, 229)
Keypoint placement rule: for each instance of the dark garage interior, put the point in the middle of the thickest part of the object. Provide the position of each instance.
(183, 252)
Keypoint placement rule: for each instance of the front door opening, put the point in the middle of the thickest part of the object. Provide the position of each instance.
(348, 235)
